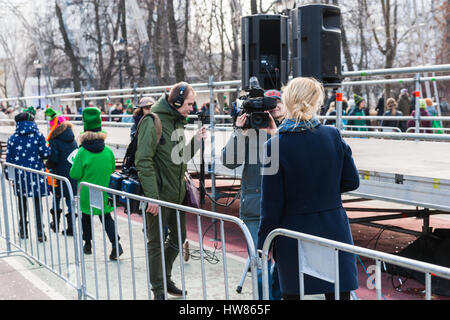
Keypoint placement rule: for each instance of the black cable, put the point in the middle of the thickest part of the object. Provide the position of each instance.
(213, 200)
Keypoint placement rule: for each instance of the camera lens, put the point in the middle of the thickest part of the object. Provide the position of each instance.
(259, 120)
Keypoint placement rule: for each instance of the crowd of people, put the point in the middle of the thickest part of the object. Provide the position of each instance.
(403, 105)
(315, 166)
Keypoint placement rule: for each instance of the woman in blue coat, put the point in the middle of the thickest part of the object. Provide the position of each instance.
(62, 144)
(27, 148)
(304, 195)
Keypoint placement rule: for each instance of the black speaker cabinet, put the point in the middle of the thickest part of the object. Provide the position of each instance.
(265, 50)
(316, 43)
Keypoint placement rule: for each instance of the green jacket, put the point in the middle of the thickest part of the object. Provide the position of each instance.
(160, 174)
(360, 113)
(94, 163)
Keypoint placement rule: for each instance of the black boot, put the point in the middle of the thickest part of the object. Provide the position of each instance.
(113, 255)
(54, 225)
(69, 231)
(23, 234)
(87, 248)
(42, 237)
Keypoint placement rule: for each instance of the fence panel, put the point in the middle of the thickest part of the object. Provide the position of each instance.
(308, 247)
(130, 276)
(29, 206)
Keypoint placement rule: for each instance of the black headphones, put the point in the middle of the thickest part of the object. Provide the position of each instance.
(179, 100)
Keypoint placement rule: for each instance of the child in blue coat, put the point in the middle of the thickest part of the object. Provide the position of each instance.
(27, 148)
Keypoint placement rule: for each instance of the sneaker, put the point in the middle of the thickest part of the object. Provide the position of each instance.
(113, 255)
(87, 248)
(173, 290)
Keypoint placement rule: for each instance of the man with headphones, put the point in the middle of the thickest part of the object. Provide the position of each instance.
(161, 168)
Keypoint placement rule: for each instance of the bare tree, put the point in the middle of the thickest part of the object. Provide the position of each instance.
(389, 49)
(177, 53)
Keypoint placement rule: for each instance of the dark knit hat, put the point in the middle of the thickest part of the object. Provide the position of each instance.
(358, 99)
(92, 120)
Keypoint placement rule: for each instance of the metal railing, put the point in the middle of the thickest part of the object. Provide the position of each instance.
(96, 192)
(92, 276)
(309, 263)
(26, 234)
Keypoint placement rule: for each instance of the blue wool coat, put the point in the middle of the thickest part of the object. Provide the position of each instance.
(27, 148)
(62, 144)
(315, 167)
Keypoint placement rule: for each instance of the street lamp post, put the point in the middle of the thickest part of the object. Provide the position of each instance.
(38, 68)
(119, 48)
(285, 6)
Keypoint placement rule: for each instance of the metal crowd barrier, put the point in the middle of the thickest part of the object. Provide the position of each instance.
(139, 235)
(56, 251)
(314, 251)
(95, 276)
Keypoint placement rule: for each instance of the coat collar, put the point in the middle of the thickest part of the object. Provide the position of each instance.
(291, 125)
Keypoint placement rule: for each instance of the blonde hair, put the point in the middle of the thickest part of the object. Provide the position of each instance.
(391, 103)
(302, 98)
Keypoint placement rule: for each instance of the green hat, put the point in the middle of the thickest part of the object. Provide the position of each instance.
(51, 114)
(422, 104)
(358, 99)
(92, 120)
(30, 110)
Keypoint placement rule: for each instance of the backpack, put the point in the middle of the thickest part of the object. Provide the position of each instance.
(127, 180)
(128, 164)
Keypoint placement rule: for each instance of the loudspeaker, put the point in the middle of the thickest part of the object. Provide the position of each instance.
(265, 50)
(316, 43)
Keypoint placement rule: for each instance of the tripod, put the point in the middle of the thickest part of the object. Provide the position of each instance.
(244, 275)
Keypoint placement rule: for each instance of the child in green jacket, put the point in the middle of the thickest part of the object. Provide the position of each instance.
(94, 163)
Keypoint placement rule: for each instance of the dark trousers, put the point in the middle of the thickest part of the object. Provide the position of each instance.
(171, 250)
(328, 296)
(108, 222)
(23, 220)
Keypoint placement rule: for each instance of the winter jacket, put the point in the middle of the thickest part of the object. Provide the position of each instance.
(94, 163)
(404, 103)
(62, 144)
(422, 123)
(394, 123)
(315, 167)
(161, 176)
(357, 112)
(27, 148)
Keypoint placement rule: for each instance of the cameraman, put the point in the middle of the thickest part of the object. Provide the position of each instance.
(251, 175)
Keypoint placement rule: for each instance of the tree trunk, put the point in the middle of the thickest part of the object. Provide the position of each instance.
(68, 49)
(180, 74)
(123, 27)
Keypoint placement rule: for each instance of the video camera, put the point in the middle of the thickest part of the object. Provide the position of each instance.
(254, 104)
